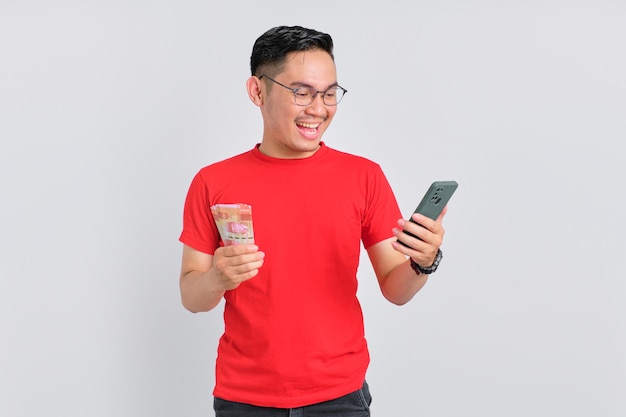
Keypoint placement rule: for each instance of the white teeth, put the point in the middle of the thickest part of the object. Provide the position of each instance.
(309, 125)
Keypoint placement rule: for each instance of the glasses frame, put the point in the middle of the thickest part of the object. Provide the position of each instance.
(294, 91)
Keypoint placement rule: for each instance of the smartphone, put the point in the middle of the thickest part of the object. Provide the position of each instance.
(435, 199)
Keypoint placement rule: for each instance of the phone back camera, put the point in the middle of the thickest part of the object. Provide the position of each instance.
(435, 199)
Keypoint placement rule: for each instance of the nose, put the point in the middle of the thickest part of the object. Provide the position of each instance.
(317, 107)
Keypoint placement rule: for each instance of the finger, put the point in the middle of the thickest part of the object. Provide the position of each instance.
(409, 238)
(250, 269)
(422, 220)
(424, 240)
(417, 227)
(236, 250)
(442, 214)
(420, 255)
(428, 225)
(249, 259)
(232, 273)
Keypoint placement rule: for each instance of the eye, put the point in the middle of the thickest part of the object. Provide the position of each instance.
(302, 93)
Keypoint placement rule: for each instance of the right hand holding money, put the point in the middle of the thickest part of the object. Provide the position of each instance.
(235, 264)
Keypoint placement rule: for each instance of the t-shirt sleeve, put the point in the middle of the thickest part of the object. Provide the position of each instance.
(199, 229)
(382, 211)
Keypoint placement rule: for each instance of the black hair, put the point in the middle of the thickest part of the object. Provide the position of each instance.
(270, 49)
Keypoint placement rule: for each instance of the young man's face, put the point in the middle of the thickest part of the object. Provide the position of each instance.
(290, 130)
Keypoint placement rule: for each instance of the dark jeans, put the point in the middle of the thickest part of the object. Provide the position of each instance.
(356, 404)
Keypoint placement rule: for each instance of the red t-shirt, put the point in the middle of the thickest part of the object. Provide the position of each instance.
(294, 334)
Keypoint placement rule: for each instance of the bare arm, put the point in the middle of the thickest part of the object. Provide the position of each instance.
(397, 280)
(205, 278)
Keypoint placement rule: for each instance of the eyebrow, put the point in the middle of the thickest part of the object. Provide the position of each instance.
(300, 84)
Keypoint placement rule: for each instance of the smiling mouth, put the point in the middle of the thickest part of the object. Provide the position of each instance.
(312, 126)
(309, 130)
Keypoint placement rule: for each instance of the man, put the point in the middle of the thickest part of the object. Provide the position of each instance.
(294, 338)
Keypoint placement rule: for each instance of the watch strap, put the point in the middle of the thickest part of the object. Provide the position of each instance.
(430, 269)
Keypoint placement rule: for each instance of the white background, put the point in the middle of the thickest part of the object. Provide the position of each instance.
(108, 108)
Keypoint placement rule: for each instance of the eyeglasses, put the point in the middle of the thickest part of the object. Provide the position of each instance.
(303, 96)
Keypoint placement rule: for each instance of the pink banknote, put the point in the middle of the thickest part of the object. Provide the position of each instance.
(234, 222)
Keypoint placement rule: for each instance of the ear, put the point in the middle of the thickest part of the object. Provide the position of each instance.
(253, 85)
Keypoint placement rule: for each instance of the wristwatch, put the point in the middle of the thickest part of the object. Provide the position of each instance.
(430, 269)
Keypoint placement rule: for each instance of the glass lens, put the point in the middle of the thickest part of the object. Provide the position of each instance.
(304, 96)
(332, 96)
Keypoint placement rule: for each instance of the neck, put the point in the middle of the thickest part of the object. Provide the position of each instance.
(285, 152)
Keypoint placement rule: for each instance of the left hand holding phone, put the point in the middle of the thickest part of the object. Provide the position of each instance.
(423, 239)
